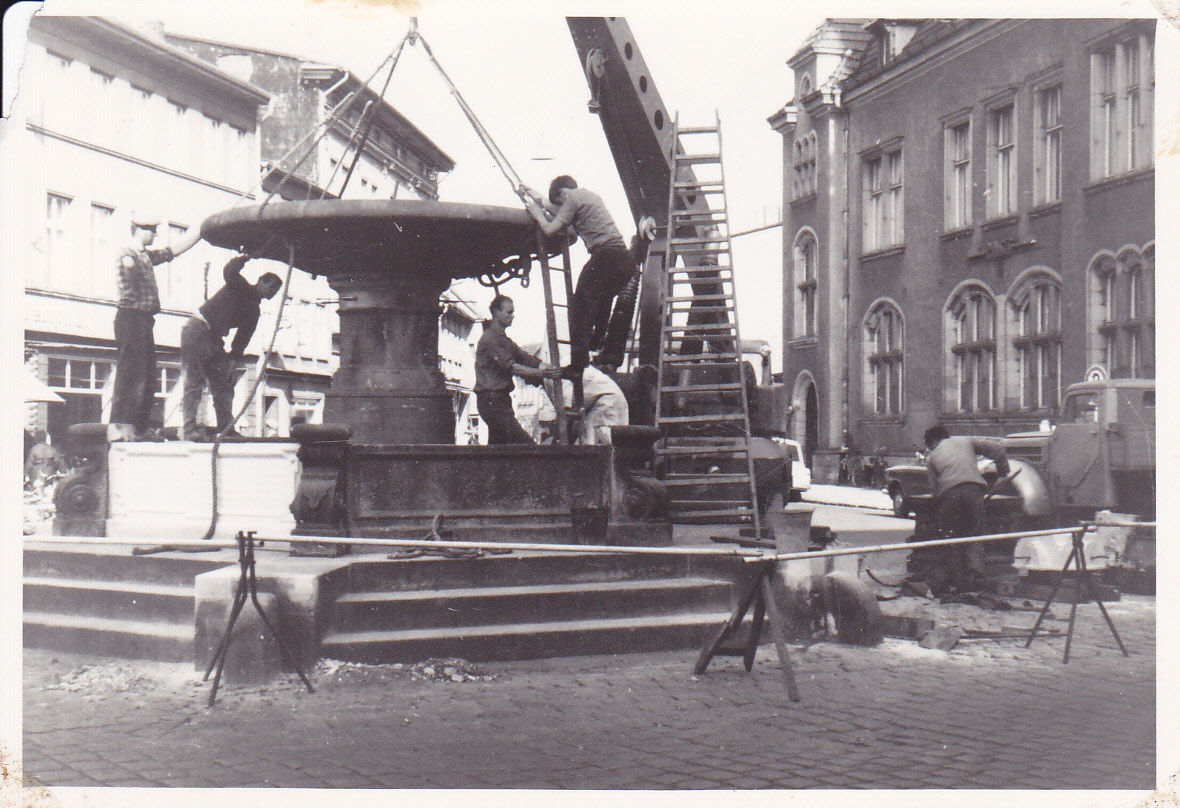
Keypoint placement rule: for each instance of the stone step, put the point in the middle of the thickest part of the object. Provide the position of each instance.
(116, 563)
(557, 602)
(126, 600)
(377, 574)
(528, 640)
(130, 639)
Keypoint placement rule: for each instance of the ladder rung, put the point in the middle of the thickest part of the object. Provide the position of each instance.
(726, 359)
(700, 250)
(704, 269)
(703, 388)
(698, 216)
(703, 451)
(696, 130)
(699, 479)
(704, 240)
(701, 419)
(718, 329)
(712, 514)
(691, 298)
(697, 159)
(698, 185)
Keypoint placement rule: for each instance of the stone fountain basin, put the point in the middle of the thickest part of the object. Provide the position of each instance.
(334, 236)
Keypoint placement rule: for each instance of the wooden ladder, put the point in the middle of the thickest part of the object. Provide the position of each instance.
(701, 403)
(553, 337)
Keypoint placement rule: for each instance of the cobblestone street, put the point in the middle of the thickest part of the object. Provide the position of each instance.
(987, 715)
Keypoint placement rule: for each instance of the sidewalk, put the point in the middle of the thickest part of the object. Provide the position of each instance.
(987, 715)
(873, 498)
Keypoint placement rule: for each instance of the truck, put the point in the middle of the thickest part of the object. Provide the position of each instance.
(1097, 453)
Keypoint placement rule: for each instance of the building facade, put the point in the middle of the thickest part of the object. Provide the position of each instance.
(113, 119)
(109, 121)
(969, 224)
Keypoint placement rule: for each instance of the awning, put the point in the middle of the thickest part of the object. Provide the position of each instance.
(35, 389)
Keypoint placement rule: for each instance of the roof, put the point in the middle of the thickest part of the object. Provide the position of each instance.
(311, 69)
(162, 57)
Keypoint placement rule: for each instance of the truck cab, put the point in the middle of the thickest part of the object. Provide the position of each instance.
(1100, 452)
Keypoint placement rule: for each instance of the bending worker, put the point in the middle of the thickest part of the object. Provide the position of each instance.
(959, 491)
(136, 380)
(497, 360)
(610, 267)
(202, 343)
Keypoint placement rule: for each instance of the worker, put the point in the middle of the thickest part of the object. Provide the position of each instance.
(497, 360)
(136, 380)
(959, 490)
(604, 405)
(234, 307)
(44, 462)
(610, 268)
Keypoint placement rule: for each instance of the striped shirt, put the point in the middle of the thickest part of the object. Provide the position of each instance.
(136, 286)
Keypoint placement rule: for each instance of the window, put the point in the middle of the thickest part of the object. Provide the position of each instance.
(806, 285)
(170, 276)
(958, 176)
(1127, 326)
(1122, 82)
(77, 374)
(57, 237)
(883, 224)
(1048, 145)
(883, 353)
(1038, 342)
(102, 250)
(804, 183)
(1001, 197)
(973, 348)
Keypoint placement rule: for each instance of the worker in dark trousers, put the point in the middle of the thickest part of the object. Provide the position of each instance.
(605, 275)
(235, 307)
(959, 491)
(138, 301)
(497, 360)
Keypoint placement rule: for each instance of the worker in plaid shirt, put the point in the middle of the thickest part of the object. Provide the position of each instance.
(138, 304)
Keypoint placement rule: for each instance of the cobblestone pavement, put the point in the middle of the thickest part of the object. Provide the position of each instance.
(987, 715)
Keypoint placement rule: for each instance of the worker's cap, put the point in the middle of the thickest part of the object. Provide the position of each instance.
(145, 220)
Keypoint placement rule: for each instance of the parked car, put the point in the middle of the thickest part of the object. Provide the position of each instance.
(908, 480)
(800, 474)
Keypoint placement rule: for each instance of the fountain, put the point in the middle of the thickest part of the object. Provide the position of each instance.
(389, 261)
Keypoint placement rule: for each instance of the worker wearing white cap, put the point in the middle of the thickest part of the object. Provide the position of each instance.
(138, 302)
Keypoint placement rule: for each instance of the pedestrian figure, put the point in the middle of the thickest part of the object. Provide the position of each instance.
(44, 462)
(959, 491)
(497, 360)
(136, 379)
(234, 307)
(611, 266)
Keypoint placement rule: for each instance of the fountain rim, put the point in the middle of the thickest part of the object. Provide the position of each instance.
(266, 229)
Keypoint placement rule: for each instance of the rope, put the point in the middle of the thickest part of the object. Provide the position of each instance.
(260, 375)
(497, 156)
(325, 125)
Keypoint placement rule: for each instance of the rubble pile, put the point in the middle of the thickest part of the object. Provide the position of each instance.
(435, 669)
(109, 678)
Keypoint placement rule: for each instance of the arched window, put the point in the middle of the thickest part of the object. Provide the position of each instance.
(1036, 306)
(804, 158)
(972, 321)
(1126, 308)
(883, 351)
(806, 261)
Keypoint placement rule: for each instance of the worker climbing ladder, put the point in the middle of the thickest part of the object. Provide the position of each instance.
(701, 402)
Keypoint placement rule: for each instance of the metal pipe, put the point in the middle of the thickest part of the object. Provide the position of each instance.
(910, 545)
(427, 543)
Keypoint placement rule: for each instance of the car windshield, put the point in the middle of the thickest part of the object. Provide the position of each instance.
(1080, 408)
